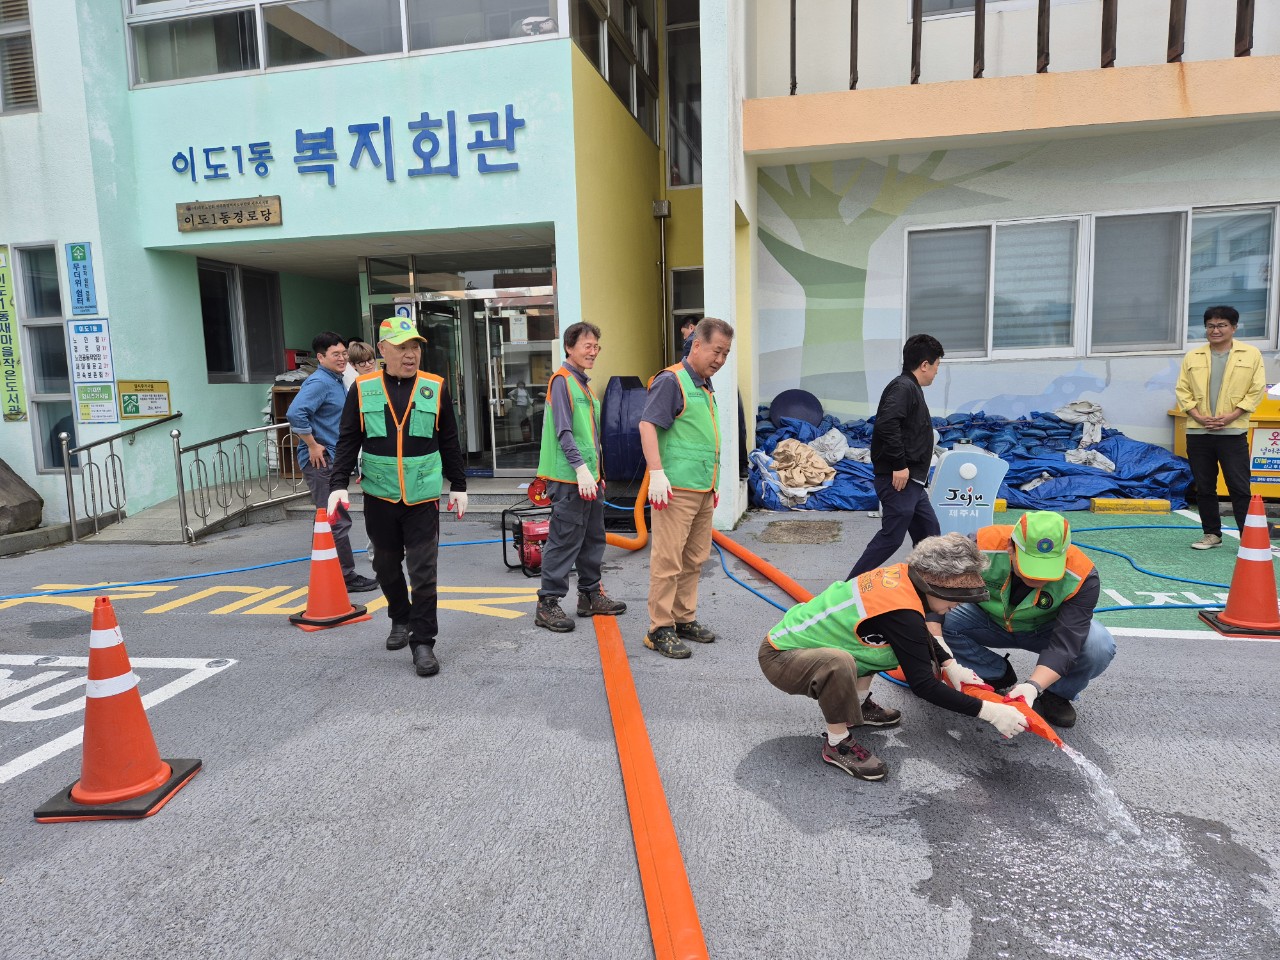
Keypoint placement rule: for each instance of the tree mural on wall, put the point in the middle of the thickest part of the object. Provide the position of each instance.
(832, 363)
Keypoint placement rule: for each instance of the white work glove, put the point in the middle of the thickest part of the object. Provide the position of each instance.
(659, 489)
(338, 497)
(586, 482)
(1008, 720)
(457, 502)
(956, 675)
(1026, 691)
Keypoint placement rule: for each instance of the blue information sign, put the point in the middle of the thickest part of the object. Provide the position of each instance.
(84, 296)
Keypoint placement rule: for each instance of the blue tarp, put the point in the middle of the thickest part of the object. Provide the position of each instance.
(1031, 446)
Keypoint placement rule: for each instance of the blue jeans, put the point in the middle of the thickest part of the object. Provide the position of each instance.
(971, 635)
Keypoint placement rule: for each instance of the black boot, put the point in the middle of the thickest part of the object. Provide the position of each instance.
(424, 660)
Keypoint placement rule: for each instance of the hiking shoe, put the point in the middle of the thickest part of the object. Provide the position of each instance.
(424, 660)
(1207, 542)
(550, 615)
(854, 759)
(399, 636)
(1006, 679)
(665, 641)
(1057, 710)
(874, 715)
(695, 631)
(359, 584)
(597, 603)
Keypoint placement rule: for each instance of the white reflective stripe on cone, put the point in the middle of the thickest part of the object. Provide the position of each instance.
(105, 638)
(1254, 553)
(111, 686)
(322, 527)
(1253, 520)
(330, 554)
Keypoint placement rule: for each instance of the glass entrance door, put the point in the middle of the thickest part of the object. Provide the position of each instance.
(521, 334)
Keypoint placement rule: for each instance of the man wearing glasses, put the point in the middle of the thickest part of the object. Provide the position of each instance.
(1219, 385)
(314, 416)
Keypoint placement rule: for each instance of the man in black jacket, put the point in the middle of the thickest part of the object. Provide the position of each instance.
(901, 448)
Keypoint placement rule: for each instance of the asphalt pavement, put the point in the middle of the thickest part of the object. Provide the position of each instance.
(348, 808)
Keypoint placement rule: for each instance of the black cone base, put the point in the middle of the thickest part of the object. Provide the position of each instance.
(62, 808)
(1231, 630)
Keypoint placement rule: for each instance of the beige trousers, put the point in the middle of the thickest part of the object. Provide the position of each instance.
(681, 544)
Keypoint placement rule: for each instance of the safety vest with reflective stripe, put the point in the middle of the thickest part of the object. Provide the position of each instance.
(1040, 605)
(552, 463)
(400, 465)
(831, 618)
(690, 447)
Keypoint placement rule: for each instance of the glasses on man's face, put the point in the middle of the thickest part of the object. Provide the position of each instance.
(365, 363)
(1217, 326)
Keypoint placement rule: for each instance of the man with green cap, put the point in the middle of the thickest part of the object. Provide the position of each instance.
(1043, 592)
(403, 419)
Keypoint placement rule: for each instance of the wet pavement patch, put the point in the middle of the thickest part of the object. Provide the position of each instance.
(801, 531)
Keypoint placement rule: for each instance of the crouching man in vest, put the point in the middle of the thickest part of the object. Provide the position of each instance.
(831, 647)
(403, 420)
(1043, 593)
(570, 461)
(680, 436)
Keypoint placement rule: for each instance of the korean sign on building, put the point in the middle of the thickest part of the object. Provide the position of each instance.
(84, 295)
(13, 400)
(96, 402)
(143, 399)
(230, 214)
(433, 141)
(90, 351)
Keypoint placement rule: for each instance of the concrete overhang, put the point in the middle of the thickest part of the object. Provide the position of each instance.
(1009, 110)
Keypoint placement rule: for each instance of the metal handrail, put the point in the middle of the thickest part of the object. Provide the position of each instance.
(226, 478)
(112, 485)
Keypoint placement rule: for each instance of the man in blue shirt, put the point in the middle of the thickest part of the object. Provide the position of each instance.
(314, 416)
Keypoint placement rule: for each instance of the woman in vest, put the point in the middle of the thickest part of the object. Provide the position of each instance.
(829, 648)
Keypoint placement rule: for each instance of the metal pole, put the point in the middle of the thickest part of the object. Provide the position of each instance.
(917, 24)
(853, 44)
(1109, 33)
(979, 38)
(71, 493)
(1042, 38)
(182, 494)
(793, 48)
(1177, 30)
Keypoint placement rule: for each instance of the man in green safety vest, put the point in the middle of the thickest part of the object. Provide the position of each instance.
(403, 419)
(570, 463)
(680, 436)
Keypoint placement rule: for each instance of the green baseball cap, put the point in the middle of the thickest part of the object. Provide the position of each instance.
(399, 330)
(1040, 541)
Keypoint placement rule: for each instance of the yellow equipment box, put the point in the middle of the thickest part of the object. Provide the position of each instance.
(1264, 447)
(1117, 505)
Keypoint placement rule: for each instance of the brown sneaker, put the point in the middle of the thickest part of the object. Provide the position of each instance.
(665, 641)
(874, 715)
(597, 603)
(550, 615)
(854, 759)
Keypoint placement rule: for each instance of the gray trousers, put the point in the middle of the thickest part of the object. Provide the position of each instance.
(576, 538)
(318, 483)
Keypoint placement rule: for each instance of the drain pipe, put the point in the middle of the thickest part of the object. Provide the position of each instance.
(661, 211)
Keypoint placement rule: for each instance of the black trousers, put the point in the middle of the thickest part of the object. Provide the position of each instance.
(1206, 452)
(403, 533)
(902, 512)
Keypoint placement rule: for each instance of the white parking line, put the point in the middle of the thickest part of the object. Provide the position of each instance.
(22, 710)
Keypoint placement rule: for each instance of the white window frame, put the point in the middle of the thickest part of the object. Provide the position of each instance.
(1082, 347)
(25, 325)
(18, 29)
(665, 119)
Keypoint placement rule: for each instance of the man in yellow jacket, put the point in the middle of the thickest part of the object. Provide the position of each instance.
(1219, 385)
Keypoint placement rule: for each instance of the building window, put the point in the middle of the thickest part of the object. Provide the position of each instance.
(1231, 260)
(946, 6)
(314, 31)
(1014, 289)
(243, 335)
(195, 47)
(17, 64)
(684, 95)
(45, 355)
(617, 36)
(687, 300)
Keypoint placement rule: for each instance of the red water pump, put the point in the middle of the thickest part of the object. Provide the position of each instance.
(526, 529)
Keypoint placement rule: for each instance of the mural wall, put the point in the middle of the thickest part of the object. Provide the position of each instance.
(831, 284)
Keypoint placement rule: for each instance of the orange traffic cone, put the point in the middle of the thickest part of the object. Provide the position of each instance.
(327, 602)
(1252, 607)
(121, 774)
